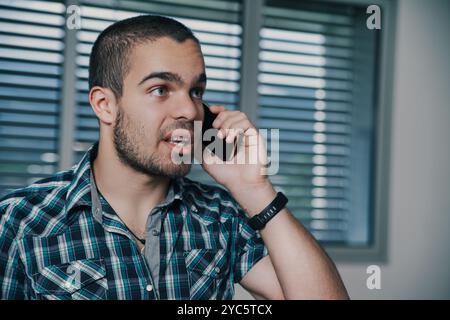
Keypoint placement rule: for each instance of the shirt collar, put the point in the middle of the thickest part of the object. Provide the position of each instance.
(83, 191)
(78, 193)
(99, 204)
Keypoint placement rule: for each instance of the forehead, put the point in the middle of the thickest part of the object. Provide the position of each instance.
(164, 54)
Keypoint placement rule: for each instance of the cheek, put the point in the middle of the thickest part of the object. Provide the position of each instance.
(139, 130)
(146, 120)
(149, 129)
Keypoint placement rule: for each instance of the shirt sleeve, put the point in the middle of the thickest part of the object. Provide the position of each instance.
(11, 269)
(250, 247)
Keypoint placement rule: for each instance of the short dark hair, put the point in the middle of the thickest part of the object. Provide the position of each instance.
(109, 60)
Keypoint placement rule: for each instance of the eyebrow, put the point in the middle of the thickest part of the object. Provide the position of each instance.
(172, 77)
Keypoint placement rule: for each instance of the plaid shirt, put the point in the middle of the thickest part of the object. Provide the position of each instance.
(52, 247)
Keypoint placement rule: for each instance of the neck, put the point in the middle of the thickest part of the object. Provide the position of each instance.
(130, 193)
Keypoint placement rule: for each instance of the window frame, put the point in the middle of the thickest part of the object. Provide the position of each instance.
(377, 251)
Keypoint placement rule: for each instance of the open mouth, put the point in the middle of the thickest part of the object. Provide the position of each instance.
(180, 140)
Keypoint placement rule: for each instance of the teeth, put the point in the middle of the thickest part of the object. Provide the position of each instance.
(179, 140)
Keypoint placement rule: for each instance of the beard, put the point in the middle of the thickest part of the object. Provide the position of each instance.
(130, 143)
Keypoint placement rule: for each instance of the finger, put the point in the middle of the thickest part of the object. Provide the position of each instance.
(252, 138)
(237, 128)
(229, 122)
(232, 134)
(231, 118)
(222, 117)
(210, 159)
(217, 109)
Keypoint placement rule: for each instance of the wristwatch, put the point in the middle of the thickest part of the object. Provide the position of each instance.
(260, 220)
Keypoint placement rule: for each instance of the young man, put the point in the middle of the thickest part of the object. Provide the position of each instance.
(125, 223)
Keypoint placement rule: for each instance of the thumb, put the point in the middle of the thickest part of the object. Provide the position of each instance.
(210, 159)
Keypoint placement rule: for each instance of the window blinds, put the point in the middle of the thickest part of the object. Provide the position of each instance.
(31, 57)
(306, 87)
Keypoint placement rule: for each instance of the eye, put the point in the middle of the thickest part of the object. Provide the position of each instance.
(197, 93)
(159, 91)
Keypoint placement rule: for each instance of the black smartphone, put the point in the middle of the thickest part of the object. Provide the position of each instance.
(226, 152)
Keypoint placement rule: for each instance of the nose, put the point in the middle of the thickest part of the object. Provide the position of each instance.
(186, 108)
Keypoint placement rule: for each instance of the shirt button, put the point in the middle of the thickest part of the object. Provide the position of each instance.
(149, 287)
(155, 232)
(217, 269)
(193, 208)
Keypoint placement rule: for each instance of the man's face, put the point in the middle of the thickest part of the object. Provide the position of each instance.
(162, 96)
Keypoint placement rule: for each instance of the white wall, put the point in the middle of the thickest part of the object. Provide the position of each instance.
(418, 264)
(419, 214)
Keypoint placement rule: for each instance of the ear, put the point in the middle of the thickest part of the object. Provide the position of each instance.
(104, 104)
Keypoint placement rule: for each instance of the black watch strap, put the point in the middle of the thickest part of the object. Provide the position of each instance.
(260, 220)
